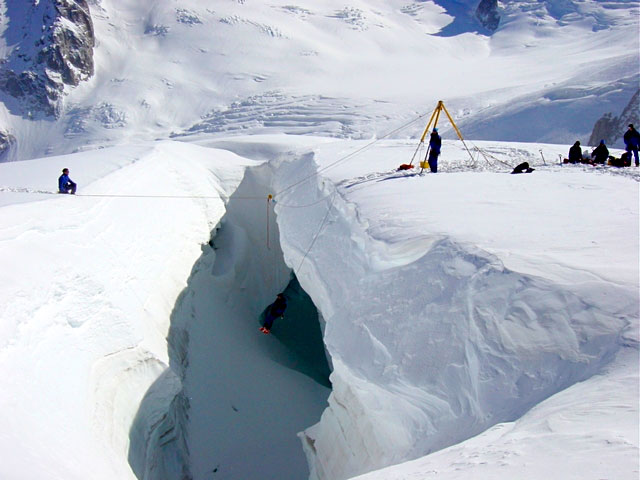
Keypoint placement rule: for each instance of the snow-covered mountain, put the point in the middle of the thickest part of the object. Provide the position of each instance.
(47, 45)
(477, 323)
(607, 128)
(547, 73)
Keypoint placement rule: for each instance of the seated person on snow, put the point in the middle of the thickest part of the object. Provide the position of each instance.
(600, 154)
(575, 153)
(65, 184)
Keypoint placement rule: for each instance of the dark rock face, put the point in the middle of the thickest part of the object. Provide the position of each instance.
(611, 129)
(7, 142)
(54, 47)
(487, 14)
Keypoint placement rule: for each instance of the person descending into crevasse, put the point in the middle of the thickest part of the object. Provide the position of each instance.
(632, 142)
(65, 184)
(275, 310)
(435, 144)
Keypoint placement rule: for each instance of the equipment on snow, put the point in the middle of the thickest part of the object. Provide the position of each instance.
(623, 161)
(405, 166)
(435, 116)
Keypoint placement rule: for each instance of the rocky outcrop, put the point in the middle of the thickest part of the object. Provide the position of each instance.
(487, 14)
(7, 144)
(611, 129)
(55, 50)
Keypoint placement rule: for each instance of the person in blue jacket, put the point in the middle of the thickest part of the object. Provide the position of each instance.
(632, 142)
(275, 310)
(435, 144)
(65, 184)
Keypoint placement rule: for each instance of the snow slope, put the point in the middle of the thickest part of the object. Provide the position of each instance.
(590, 430)
(455, 308)
(437, 329)
(87, 291)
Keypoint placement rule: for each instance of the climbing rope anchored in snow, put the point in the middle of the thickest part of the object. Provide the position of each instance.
(126, 195)
(25, 190)
(317, 234)
(271, 199)
(350, 155)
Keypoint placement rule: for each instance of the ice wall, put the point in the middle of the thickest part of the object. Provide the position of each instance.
(430, 351)
(86, 304)
(248, 394)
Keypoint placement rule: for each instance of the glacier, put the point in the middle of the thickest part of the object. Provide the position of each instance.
(433, 338)
(436, 329)
(474, 323)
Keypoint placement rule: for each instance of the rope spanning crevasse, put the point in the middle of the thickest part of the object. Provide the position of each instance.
(116, 195)
(317, 234)
(351, 155)
(435, 115)
(272, 197)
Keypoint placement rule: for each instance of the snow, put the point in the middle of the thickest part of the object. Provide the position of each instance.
(86, 304)
(416, 311)
(587, 431)
(536, 210)
(476, 323)
(540, 77)
(454, 308)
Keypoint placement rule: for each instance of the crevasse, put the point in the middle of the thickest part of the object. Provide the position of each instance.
(244, 396)
(426, 350)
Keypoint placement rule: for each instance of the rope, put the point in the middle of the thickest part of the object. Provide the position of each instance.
(295, 184)
(99, 195)
(352, 154)
(485, 155)
(105, 195)
(421, 144)
(268, 207)
(24, 190)
(112, 195)
(318, 172)
(315, 237)
(307, 204)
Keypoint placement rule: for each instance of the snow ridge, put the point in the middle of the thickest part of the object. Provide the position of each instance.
(434, 343)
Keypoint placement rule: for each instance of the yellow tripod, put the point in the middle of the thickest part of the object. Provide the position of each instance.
(435, 116)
